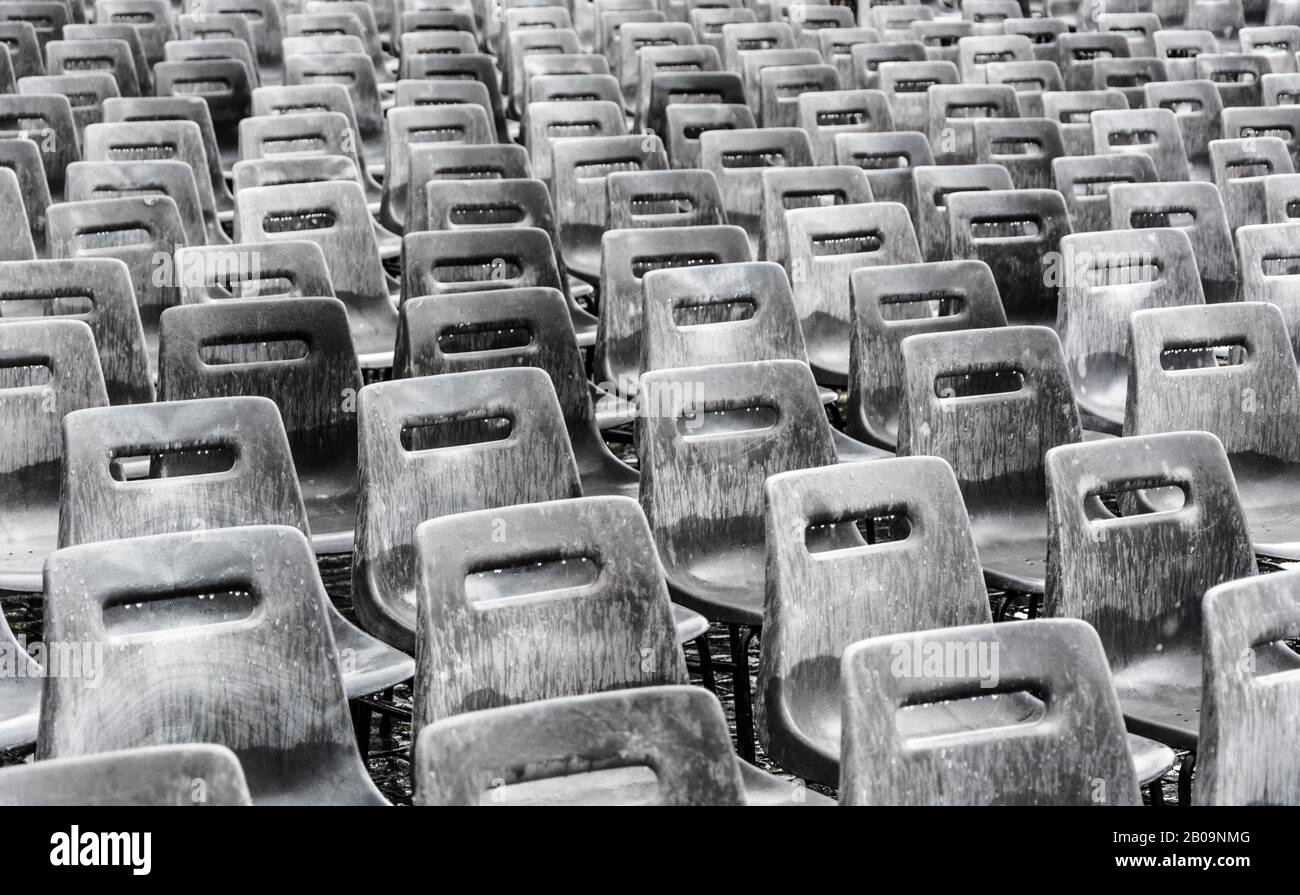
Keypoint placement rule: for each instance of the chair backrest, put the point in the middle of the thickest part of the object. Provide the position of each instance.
(652, 199)
(1030, 79)
(86, 91)
(296, 353)
(1252, 405)
(976, 52)
(1038, 762)
(534, 42)
(1240, 167)
(891, 303)
(579, 188)
(1281, 197)
(23, 157)
(940, 38)
(954, 109)
(97, 291)
(779, 86)
(213, 463)
(444, 91)
(496, 203)
(1138, 575)
(110, 180)
(411, 125)
(738, 158)
(626, 257)
(1026, 147)
(1084, 182)
(440, 445)
(865, 59)
(479, 67)
(1266, 254)
(679, 731)
(433, 161)
(1153, 132)
(1282, 122)
(48, 118)
(354, 70)
(934, 184)
(1073, 109)
(819, 186)
(1082, 50)
(287, 721)
(1197, 209)
(702, 485)
(16, 242)
(1235, 75)
(718, 314)
(995, 381)
(252, 270)
(1280, 89)
(666, 87)
(684, 123)
(906, 85)
(1179, 47)
(1017, 233)
(227, 104)
(1129, 76)
(828, 113)
(829, 587)
(317, 136)
(138, 230)
(592, 559)
(437, 262)
(180, 108)
(24, 47)
(550, 121)
(1242, 758)
(890, 159)
(743, 37)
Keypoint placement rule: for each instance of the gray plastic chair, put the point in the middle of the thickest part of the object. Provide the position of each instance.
(593, 560)
(780, 86)
(298, 354)
(150, 776)
(530, 754)
(253, 270)
(1235, 75)
(1030, 79)
(738, 158)
(894, 302)
(820, 186)
(866, 59)
(1265, 255)
(954, 108)
(1256, 122)
(86, 91)
(628, 255)
(1011, 383)
(16, 242)
(1034, 760)
(1107, 276)
(976, 52)
(1243, 758)
(410, 125)
(287, 721)
(1084, 182)
(1153, 132)
(212, 463)
(1073, 110)
(1017, 233)
(50, 115)
(551, 121)
(1251, 402)
(826, 114)
(1195, 208)
(500, 328)
(1026, 147)
(175, 179)
(890, 160)
(684, 123)
(654, 199)
(1080, 51)
(906, 85)
(933, 185)
(22, 157)
(682, 76)
(1240, 167)
(826, 246)
(441, 445)
(1179, 47)
(97, 291)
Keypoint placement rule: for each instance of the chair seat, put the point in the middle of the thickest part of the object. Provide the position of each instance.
(27, 536)
(369, 665)
(850, 450)
(603, 474)
(584, 326)
(1102, 392)
(690, 625)
(1270, 497)
(330, 495)
(582, 252)
(830, 363)
(1150, 759)
(727, 586)
(346, 786)
(1011, 537)
(766, 790)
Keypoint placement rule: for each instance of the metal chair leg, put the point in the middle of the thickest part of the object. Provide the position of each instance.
(740, 692)
(361, 716)
(1156, 790)
(386, 723)
(706, 663)
(1185, 778)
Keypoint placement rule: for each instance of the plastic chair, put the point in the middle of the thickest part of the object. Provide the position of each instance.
(891, 303)
(16, 242)
(933, 185)
(1242, 757)
(1084, 182)
(637, 36)
(1281, 198)
(1250, 403)
(1030, 79)
(684, 124)
(549, 121)
(287, 721)
(1240, 167)
(906, 85)
(654, 199)
(628, 255)
(679, 731)
(1282, 122)
(1004, 379)
(253, 270)
(953, 111)
(1235, 75)
(1017, 233)
(594, 560)
(1109, 275)
(110, 180)
(1043, 31)
(890, 160)
(1025, 147)
(333, 215)
(22, 157)
(1082, 50)
(228, 105)
(85, 90)
(299, 355)
(1148, 613)
(1197, 209)
(50, 115)
(94, 290)
(826, 246)
(436, 446)
(1180, 47)
(667, 88)
(1071, 720)
(151, 776)
(820, 186)
(780, 87)
(865, 59)
(579, 190)
(826, 114)
(738, 158)
(974, 53)
(24, 47)
(513, 327)
(411, 125)
(744, 37)
(1073, 110)
(1280, 89)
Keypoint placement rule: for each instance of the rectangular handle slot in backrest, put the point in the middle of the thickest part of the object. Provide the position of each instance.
(201, 87)
(540, 579)
(88, 63)
(1203, 355)
(1128, 79)
(842, 117)
(302, 143)
(1091, 187)
(267, 350)
(1026, 85)
(574, 129)
(699, 97)
(921, 305)
(1090, 54)
(642, 265)
(28, 373)
(1135, 497)
(1249, 167)
(882, 161)
(756, 43)
(726, 419)
(993, 709)
(915, 85)
(24, 125)
(1275, 265)
(470, 172)
(495, 335)
(812, 199)
(1280, 131)
(713, 310)
(142, 152)
(173, 461)
(860, 242)
(600, 170)
(1147, 218)
(475, 427)
(1232, 76)
(112, 237)
(992, 227)
(693, 131)
(50, 305)
(1102, 269)
(974, 384)
(876, 526)
(139, 613)
(996, 56)
(1187, 106)
(771, 158)
(652, 204)
(970, 110)
(487, 214)
(299, 221)
(1131, 137)
(1023, 146)
(477, 270)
